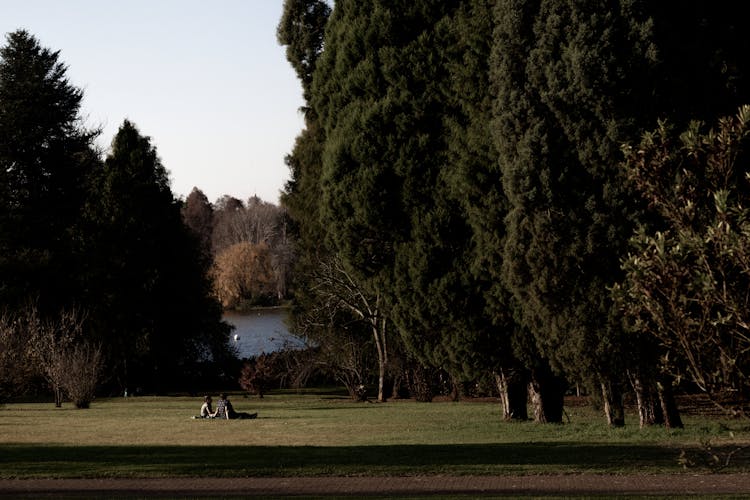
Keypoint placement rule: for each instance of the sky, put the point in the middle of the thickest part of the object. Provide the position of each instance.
(205, 80)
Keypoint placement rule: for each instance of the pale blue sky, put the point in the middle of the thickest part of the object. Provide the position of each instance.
(206, 80)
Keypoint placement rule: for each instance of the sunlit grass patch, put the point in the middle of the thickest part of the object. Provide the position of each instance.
(318, 434)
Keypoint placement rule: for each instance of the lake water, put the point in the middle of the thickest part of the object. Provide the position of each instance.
(261, 331)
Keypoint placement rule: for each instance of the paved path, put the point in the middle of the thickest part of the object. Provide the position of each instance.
(573, 484)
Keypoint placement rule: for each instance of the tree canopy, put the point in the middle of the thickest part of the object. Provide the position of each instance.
(102, 237)
(149, 290)
(463, 161)
(46, 156)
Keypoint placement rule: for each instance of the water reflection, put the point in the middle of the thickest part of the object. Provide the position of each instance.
(261, 331)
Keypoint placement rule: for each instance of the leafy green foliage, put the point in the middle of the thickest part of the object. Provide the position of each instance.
(572, 83)
(301, 30)
(687, 279)
(461, 160)
(397, 227)
(564, 75)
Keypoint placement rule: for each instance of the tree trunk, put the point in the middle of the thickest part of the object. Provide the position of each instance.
(455, 393)
(379, 333)
(58, 396)
(649, 408)
(669, 408)
(547, 394)
(419, 383)
(614, 411)
(396, 386)
(511, 384)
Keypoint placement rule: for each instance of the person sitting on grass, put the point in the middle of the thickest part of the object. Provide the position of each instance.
(225, 410)
(206, 410)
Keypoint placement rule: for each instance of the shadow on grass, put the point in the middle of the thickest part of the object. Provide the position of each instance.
(27, 461)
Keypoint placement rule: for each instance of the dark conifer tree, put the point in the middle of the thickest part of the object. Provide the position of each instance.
(149, 292)
(574, 82)
(301, 30)
(567, 79)
(198, 215)
(474, 180)
(45, 158)
(380, 91)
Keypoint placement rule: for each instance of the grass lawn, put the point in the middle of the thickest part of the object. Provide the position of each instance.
(318, 434)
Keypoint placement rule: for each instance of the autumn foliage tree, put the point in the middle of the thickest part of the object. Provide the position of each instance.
(254, 223)
(243, 275)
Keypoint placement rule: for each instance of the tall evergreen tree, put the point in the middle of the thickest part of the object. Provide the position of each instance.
(301, 30)
(567, 79)
(380, 91)
(45, 157)
(573, 82)
(321, 311)
(474, 180)
(149, 289)
(198, 215)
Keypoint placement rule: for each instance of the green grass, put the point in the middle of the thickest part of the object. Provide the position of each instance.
(319, 434)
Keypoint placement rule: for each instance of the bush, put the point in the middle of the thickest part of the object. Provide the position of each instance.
(259, 374)
(82, 365)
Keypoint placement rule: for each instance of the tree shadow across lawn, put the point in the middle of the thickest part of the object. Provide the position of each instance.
(27, 461)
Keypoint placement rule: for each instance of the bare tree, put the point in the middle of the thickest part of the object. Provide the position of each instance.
(70, 363)
(253, 222)
(16, 367)
(49, 340)
(339, 289)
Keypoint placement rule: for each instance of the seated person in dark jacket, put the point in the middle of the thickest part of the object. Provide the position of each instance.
(224, 409)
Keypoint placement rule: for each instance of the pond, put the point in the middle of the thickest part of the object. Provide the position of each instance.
(261, 330)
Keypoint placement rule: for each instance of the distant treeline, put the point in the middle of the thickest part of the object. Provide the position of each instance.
(548, 193)
(248, 244)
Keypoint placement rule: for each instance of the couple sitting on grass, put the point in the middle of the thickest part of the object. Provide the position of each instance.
(224, 409)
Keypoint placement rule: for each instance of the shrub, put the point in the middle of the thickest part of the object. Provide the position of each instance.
(82, 366)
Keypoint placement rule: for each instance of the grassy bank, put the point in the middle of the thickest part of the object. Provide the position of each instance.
(298, 435)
